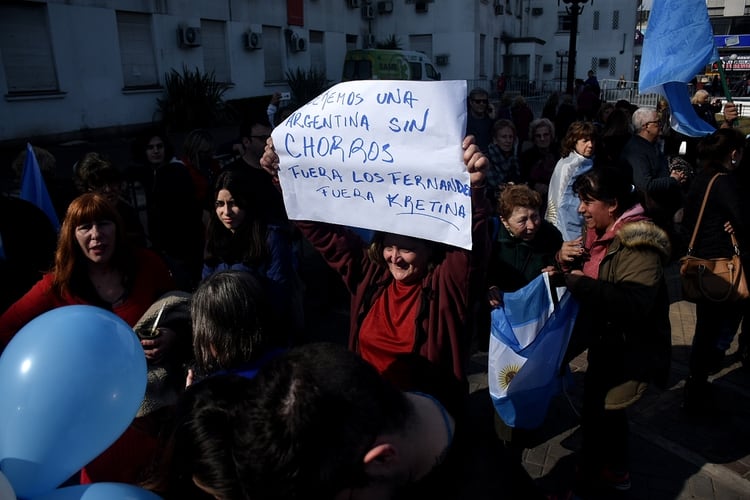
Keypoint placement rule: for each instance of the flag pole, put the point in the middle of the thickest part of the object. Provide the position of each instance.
(725, 85)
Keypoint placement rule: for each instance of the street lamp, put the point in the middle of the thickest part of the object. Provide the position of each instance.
(562, 54)
(573, 11)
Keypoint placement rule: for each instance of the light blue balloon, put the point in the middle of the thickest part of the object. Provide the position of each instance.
(71, 382)
(99, 491)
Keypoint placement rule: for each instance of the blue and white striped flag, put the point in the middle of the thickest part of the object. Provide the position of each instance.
(34, 189)
(678, 44)
(528, 341)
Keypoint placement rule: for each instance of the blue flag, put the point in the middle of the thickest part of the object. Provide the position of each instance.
(678, 44)
(33, 188)
(529, 337)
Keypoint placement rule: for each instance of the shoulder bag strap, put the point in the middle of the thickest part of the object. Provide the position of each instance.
(700, 216)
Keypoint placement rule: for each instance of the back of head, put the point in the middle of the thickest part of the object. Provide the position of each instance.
(209, 440)
(233, 322)
(317, 411)
(93, 172)
(618, 123)
(45, 159)
(197, 142)
(718, 147)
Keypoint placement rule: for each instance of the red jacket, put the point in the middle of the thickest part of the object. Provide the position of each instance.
(442, 333)
(152, 279)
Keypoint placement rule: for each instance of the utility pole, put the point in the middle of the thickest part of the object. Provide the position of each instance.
(573, 9)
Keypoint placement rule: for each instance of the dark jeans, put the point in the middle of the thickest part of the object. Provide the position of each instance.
(715, 327)
(605, 432)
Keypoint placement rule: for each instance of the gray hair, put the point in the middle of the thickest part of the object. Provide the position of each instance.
(541, 122)
(641, 116)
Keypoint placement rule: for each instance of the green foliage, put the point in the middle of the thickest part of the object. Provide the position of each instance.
(192, 99)
(392, 42)
(306, 85)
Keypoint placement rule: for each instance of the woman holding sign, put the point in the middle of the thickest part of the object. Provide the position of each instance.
(411, 298)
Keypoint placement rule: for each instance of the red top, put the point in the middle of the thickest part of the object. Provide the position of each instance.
(152, 279)
(390, 326)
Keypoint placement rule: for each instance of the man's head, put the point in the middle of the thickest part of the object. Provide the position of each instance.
(646, 123)
(253, 134)
(313, 423)
(479, 101)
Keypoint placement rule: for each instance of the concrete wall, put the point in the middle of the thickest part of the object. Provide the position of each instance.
(87, 58)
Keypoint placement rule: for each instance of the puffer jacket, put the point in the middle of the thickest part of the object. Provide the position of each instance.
(624, 313)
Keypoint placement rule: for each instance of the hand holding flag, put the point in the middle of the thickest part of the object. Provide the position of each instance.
(678, 44)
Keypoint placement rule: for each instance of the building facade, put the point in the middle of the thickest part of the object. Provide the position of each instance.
(77, 65)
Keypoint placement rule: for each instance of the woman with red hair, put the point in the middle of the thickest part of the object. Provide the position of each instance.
(94, 265)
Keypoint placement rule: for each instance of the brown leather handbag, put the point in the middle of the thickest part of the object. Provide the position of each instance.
(716, 280)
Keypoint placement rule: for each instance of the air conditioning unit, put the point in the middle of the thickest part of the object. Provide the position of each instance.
(499, 9)
(368, 12)
(421, 7)
(253, 40)
(189, 36)
(537, 11)
(353, 4)
(385, 7)
(297, 43)
(442, 59)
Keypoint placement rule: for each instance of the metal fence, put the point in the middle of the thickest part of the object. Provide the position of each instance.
(537, 93)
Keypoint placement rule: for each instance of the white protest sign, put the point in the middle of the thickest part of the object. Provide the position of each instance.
(382, 155)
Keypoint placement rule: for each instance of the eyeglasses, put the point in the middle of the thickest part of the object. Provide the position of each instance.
(649, 123)
(480, 101)
(541, 136)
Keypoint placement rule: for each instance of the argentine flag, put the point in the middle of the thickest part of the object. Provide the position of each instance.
(678, 44)
(529, 336)
(33, 188)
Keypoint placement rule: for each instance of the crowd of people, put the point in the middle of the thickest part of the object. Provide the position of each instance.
(254, 408)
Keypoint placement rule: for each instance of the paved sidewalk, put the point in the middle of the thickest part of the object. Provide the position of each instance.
(673, 456)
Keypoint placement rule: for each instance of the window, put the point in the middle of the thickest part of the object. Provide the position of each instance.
(272, 61)
(214, 42)
(421, 43)
(317, 50)
(136, 50)
(26, 49)
(596, 20)
(612, 66)
(615, 19)
(351, 42)
(519, 10)
(563, 21)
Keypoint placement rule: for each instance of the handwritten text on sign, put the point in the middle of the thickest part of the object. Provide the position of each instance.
(383, 155)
